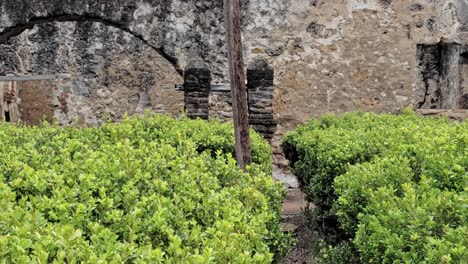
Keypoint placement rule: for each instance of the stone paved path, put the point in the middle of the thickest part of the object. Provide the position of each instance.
(294, 203)
(307, 246)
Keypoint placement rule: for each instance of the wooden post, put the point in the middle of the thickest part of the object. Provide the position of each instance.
(238, 88)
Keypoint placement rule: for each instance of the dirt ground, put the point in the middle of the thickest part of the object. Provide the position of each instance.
(307, 245)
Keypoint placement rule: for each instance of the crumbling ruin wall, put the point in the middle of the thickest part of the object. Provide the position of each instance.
(327, 55)
(112, 71)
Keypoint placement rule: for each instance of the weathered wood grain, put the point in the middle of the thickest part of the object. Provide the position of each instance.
(238, 87)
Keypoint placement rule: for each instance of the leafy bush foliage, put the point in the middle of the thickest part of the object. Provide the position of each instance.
(151, 189)
(396, 186)
(343, 252)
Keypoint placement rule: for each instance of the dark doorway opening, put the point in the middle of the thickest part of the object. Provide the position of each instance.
(7, 116)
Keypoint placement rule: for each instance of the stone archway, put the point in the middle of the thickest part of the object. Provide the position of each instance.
(10, 32)
(111, 70)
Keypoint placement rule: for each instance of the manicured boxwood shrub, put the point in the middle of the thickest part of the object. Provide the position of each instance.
(390, 188)
(151, 189)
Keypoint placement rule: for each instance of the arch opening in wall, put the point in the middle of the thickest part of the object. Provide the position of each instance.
(110, 71)
(17, 30)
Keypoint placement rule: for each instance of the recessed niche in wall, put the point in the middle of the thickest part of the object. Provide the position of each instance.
(464, 83)
(443, 76)
(26, 101)
(8, 102)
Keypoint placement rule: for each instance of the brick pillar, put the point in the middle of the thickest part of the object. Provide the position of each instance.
(260, 77)
(197, 81)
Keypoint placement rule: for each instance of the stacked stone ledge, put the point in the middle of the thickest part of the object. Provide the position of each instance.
(197, 83)
(260, 76)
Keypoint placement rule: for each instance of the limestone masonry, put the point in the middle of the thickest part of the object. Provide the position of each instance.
(85, 60)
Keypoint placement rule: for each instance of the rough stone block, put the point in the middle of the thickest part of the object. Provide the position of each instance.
(268, 116)
(265, 122)
(255, 83)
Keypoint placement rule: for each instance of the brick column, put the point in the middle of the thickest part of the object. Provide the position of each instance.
(197, 81)
(260, 77)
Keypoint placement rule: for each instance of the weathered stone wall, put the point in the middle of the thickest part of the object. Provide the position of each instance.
(113, 72)
(338, 55)
(328, 55)
(441, 76)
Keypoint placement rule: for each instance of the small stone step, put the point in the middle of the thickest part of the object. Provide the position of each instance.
(289, 228)
(295, 203)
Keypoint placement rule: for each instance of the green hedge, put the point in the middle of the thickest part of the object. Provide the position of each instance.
(393, 185)
(151, 189)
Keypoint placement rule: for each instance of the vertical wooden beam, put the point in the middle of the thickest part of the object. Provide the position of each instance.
(238, 88)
